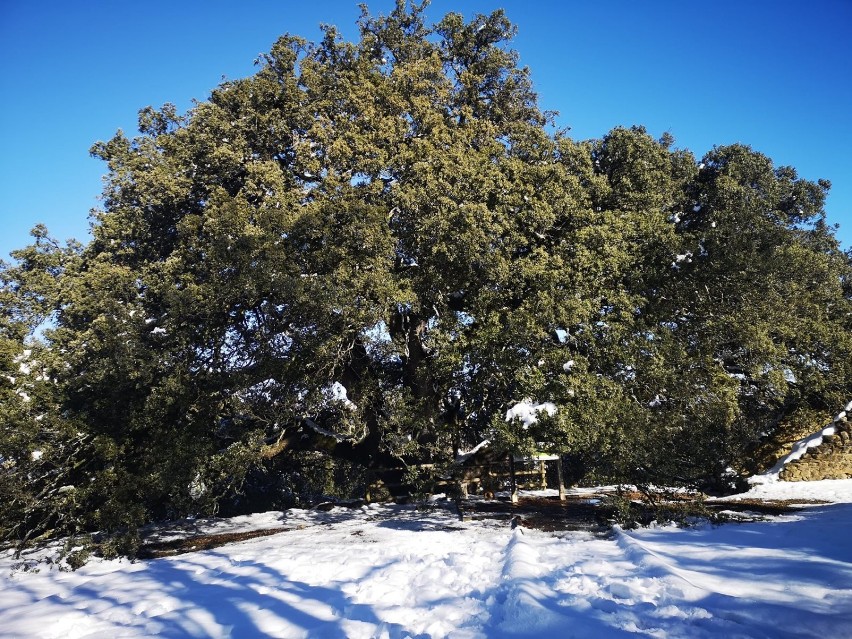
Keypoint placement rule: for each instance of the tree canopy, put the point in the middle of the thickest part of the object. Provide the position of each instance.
(369, 252)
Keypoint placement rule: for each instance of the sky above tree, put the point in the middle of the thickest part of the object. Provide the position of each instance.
(770, 74)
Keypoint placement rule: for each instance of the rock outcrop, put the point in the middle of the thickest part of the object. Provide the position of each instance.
(829, 459)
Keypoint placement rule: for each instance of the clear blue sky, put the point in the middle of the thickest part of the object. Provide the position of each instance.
(774, 74)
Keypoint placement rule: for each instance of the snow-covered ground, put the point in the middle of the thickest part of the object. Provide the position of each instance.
(395, 572)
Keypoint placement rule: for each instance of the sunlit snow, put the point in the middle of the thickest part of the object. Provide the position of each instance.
(396, 571)
(527, 412)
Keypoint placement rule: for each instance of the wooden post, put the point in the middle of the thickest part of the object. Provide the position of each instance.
(562, 495)
(542, 471)
(368, 492)
(512, 480)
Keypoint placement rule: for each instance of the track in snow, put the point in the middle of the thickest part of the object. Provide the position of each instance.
(395, 572)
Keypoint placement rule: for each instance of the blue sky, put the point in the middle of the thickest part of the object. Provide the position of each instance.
(774, 74)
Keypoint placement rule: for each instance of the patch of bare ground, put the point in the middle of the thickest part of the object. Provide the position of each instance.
(542, 513)
(155, 550)
(762, 506)
(589, 513)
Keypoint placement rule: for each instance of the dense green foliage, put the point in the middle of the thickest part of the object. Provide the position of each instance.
(366, 253)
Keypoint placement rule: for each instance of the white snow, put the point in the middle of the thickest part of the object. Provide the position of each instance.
(465, 455)
(323, 431)
(395, 572)
(338, 393)
(831, 490)
(527, 412)
(567, 366)
(537, 457)
(23, 357)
